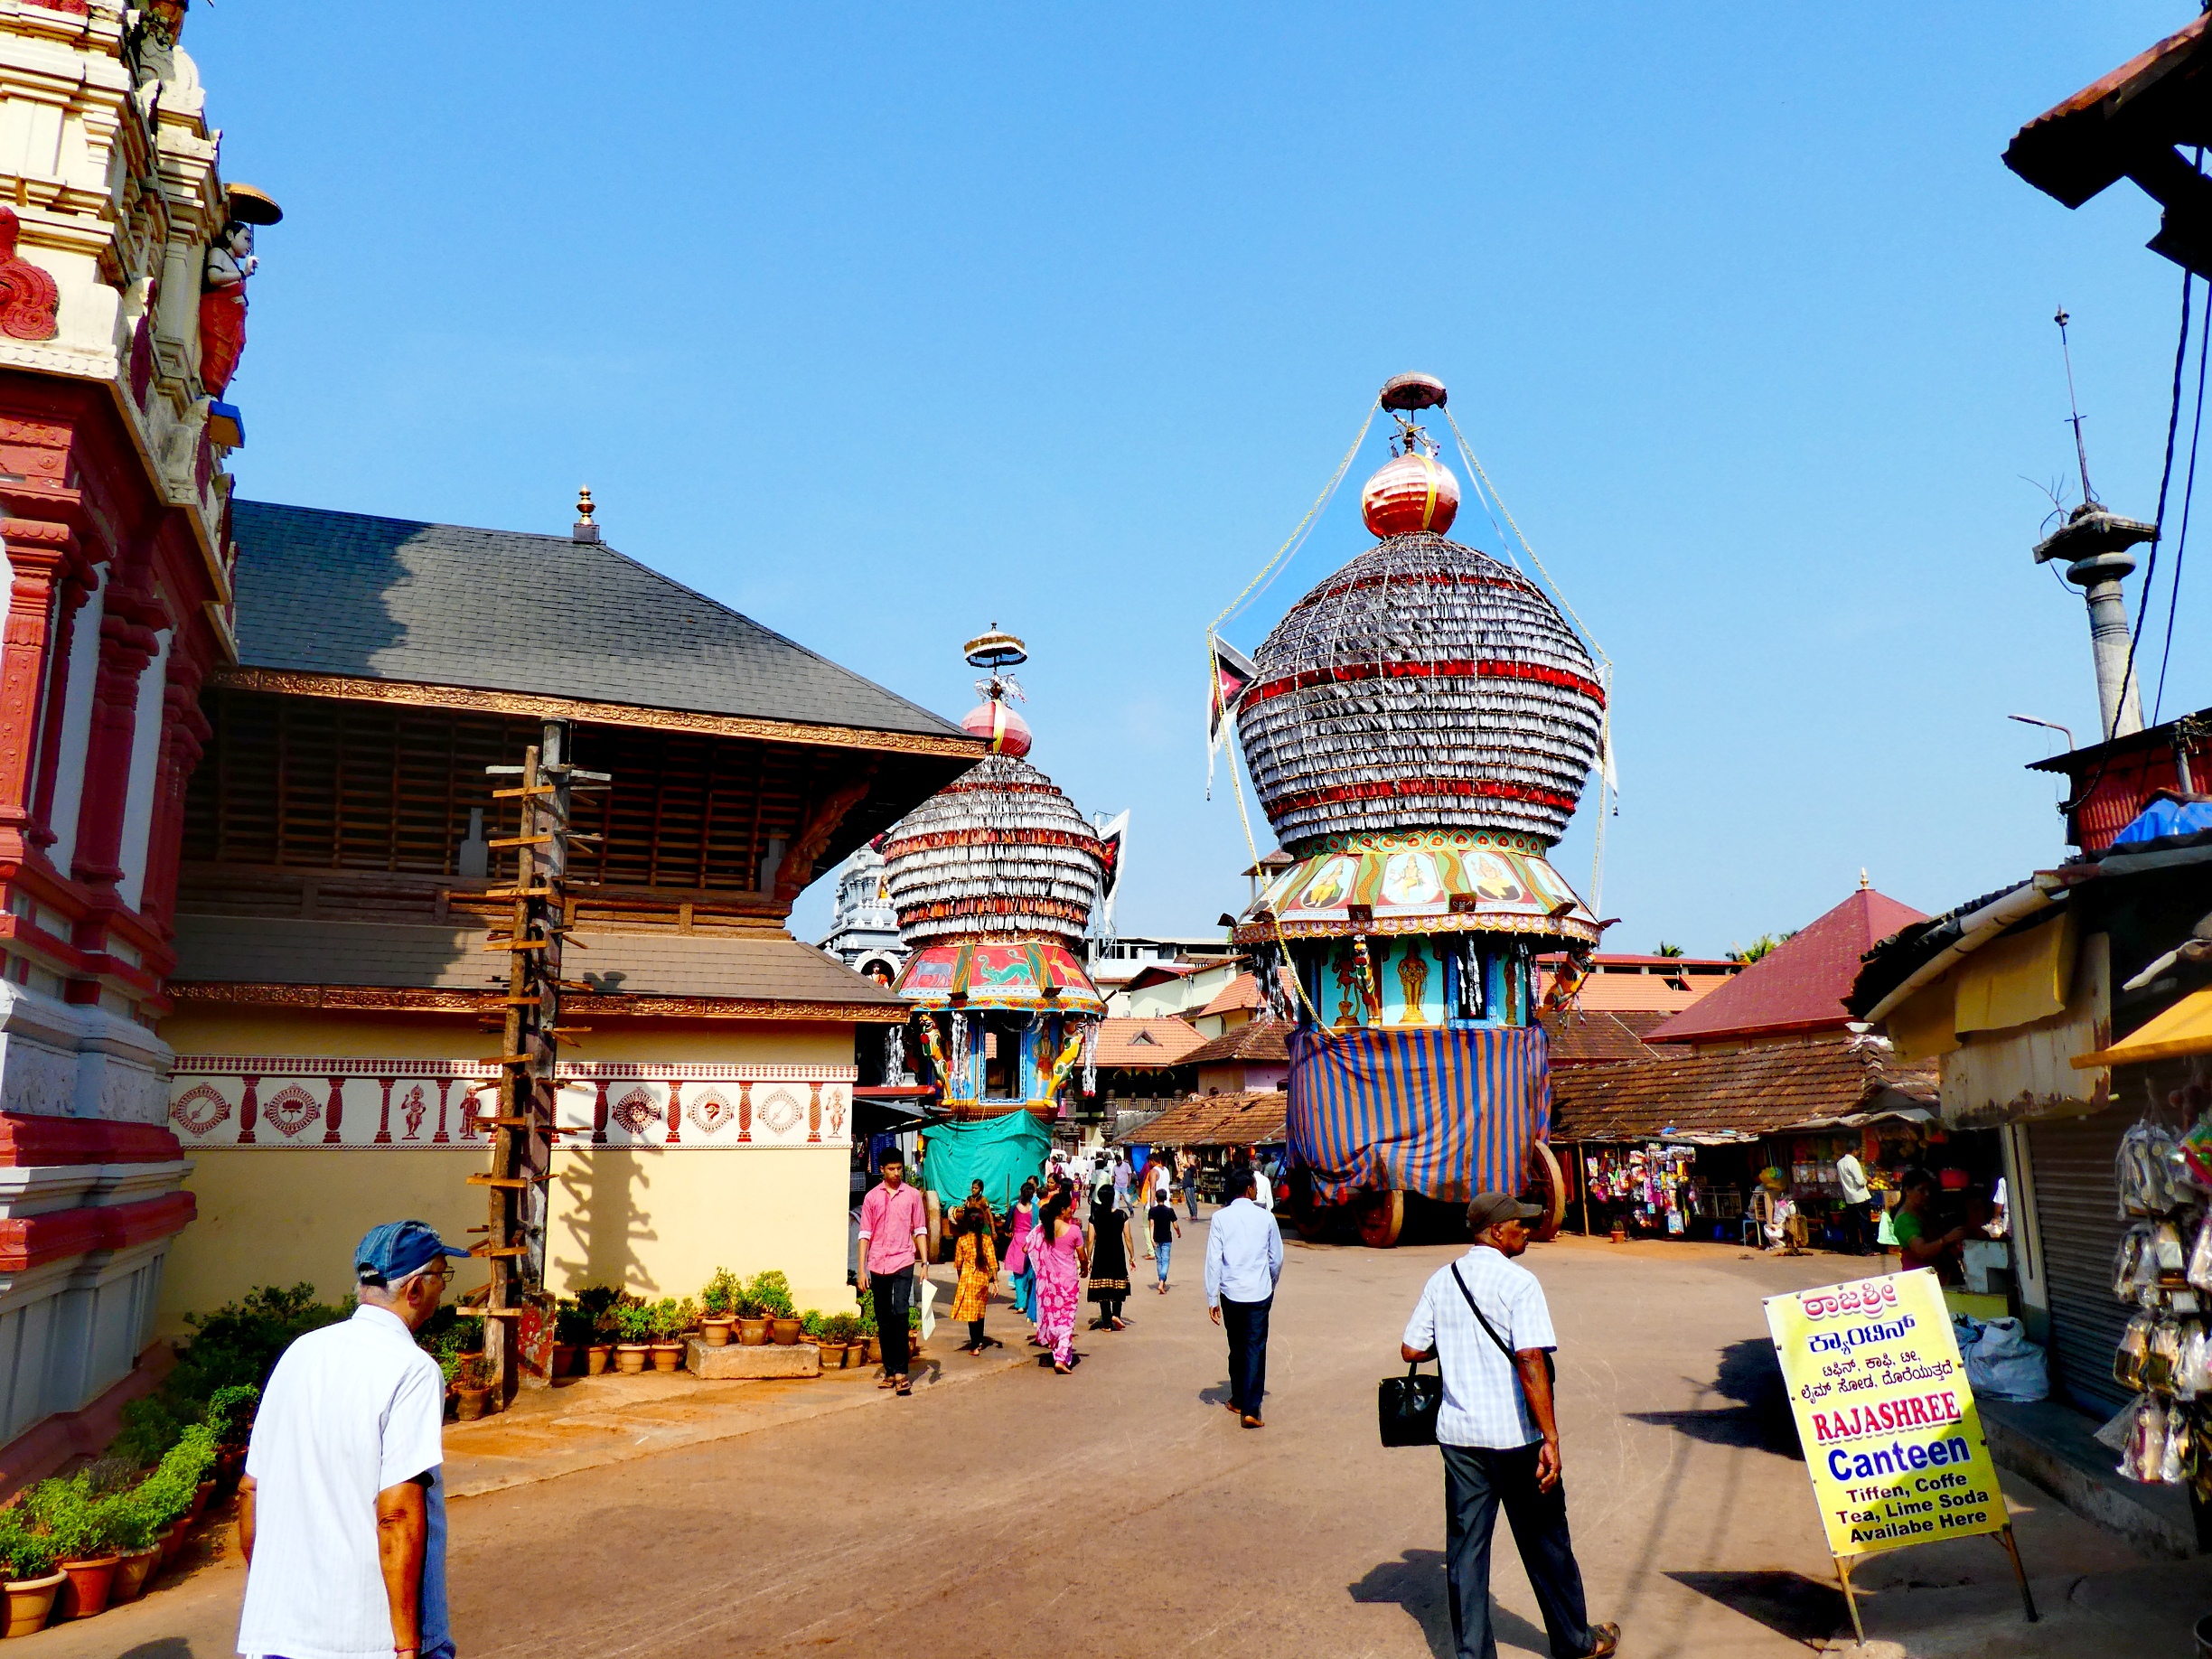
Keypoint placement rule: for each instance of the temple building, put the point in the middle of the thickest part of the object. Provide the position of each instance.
(124, 256)
(337, 990)
(864, 924)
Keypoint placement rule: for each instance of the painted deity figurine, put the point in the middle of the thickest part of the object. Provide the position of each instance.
(222, 304)
(150, 49)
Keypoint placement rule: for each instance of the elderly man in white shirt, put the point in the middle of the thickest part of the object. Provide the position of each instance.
(341, 1517)
(1486, 1323)
(1244, 1259)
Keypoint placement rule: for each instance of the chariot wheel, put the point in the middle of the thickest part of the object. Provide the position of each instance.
(1381, 1217)
(1547, 1186)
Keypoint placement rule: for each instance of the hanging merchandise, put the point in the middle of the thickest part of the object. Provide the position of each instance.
(2161, 1263)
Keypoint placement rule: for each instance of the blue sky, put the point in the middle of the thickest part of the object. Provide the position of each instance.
(884, 324)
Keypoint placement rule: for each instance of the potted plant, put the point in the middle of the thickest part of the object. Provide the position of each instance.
(472, 1390)
(596, 1303)
(31, 1581)
(773, 1291)
(718, 1308)
(230, 1415)
(68, 1515)
(913, 1330)
(572, 1334)
(131, 1529)
(841, 1334)
(752, 1318)
(868, 1331)
(633, 1328)
(671, 1319)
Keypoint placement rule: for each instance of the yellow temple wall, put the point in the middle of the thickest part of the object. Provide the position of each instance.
(656, 1220)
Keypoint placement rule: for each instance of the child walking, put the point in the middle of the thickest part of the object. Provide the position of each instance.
(1166, 1231)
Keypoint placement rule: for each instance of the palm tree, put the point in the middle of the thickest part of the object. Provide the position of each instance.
(1665, 949)
(1758, 947)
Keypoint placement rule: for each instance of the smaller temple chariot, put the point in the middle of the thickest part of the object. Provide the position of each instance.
(1419, 729)
(994, 880)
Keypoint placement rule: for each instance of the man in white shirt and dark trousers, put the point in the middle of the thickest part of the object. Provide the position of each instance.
(1498, 1433)
(341, 1517)
(1244, 1258)
(1851, 1176)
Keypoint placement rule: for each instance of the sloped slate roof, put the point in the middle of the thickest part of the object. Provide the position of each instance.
(271, 951)
(1800, 985)
(1585, 1036)
(1753, 1090)
(1161, 1041)
(350, 594)
(1256, 1119)
(1256, 1039)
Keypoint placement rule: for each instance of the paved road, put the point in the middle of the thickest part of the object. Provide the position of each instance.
(1122, 1511)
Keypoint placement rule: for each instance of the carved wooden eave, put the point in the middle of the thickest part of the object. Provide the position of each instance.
(529, 705)
(187, 994)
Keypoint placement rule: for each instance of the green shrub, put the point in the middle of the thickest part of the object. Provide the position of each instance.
(913, 1318)
(771, 1291)
(25, 1553)
(810, 1322)
(127, 1522)
(597, 1300)
(719, 1298)
(868, 1317)
(446, 1335)
(635, 1321)
(167, 1493)
(230, 1413)
(571, 1323)
(236, 1346)
(67, 1515)
(842, 1328)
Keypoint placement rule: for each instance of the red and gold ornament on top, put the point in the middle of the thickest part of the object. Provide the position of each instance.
(1006, 732)
(1413, 492)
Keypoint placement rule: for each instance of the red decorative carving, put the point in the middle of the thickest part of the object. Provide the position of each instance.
(441, 1138)
(384, 1135)
(675, 1113)
(814, 1113)
(332, 1111)
(599, 1115)
(28, 297)
(744, 1113)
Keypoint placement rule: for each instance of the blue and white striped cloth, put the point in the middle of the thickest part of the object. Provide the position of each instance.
(1483, 1403)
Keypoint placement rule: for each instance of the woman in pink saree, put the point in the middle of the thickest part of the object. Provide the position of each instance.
(1056, 1251)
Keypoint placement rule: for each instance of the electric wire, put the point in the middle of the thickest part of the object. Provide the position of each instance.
(2188, 492)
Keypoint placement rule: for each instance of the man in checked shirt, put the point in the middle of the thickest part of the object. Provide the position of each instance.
(1485, 1322)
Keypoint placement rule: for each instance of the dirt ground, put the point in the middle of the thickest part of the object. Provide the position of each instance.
(1122, 1511)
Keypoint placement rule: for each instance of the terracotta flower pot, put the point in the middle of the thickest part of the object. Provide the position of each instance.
(564, 1359)
(86, 1586)
(751, 1333)
(1620, 1234)
(469, 1403)
(173, 1541)
(201, 1494)
(30, 1603)
(668, 1355)
(833, 1353)
(785, 1331)
(632, 1357)
(133, 1574)
(716, 1331)
(595, 1358)
(875, 1350)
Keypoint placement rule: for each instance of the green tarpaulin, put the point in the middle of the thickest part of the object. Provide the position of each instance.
(1000, 1152)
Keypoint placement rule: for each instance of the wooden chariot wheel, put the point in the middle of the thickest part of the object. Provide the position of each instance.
(1547, 1186)
(1381, 1217)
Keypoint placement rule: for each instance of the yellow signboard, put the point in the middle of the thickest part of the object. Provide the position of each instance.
(1891, 1434)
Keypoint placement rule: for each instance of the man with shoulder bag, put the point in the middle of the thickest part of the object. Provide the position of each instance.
(1485, 1322)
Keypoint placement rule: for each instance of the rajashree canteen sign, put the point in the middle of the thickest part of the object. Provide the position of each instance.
(1891, 1436)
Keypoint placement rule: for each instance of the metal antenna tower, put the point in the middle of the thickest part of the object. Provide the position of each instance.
(2074, 417)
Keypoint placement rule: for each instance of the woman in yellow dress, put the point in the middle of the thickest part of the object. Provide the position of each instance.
(976, 1258)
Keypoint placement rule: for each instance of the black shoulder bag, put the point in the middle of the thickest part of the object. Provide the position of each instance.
(1550, 1370)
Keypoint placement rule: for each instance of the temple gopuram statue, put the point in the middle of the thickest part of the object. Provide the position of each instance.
(1418, 727)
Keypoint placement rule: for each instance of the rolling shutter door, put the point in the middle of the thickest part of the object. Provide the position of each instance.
(2077, 1208)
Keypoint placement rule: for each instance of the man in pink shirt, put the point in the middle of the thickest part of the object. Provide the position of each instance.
(893, 1256)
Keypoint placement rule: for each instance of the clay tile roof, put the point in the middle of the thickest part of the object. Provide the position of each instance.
(1161, 1041)
(1255, 1039)
(1243, 992)
(1801, 984)
(1256, 1119)
(1752, 1090)
(1586, 1037)
(352, 595)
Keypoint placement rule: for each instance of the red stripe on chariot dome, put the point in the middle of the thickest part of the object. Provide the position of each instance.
(991, 837)
(1450, 667)
(1388, 788)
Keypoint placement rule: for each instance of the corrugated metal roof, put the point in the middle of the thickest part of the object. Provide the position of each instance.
(354, 594)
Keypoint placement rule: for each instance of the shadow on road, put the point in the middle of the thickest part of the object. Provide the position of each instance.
(1415, 1581)
(161, 1647)
(1789, 1604)
(1761, 1419)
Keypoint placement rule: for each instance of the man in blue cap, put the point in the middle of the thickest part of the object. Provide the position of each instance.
(342, 1493)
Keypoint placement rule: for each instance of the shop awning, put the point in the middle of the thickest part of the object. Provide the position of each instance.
(2185, 1028)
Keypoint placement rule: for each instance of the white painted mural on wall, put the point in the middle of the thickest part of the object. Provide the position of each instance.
(285, 1101)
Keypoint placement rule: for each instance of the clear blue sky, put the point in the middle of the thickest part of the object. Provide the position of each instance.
(883, 323)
